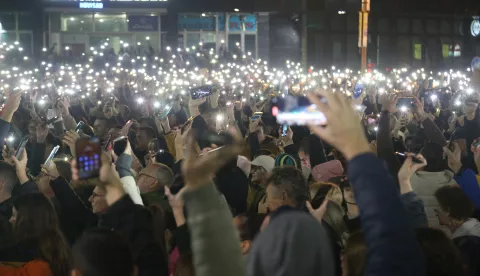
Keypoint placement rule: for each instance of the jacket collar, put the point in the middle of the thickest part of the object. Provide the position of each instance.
(469, 228)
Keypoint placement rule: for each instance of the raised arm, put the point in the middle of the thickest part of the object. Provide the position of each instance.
(391, 242)
(215, 247)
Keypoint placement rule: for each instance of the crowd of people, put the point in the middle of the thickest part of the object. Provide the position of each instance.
(213, 185)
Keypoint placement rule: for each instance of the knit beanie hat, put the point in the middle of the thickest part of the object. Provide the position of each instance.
(285, 160)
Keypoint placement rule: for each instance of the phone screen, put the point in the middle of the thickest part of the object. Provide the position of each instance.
(293, 110)
(284, 130)
(256, 115)
(21, 147)
(88, 152)
(406, 103)
(52, 154)
(79, 126)
(201, 92)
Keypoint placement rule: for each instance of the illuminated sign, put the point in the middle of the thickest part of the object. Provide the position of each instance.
(90, 5)
(475, 27)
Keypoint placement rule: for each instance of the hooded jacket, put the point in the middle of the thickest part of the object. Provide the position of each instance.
(424, 184)
(467, 240)
(294, 243)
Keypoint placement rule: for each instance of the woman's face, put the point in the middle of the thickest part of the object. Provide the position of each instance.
(258, 173)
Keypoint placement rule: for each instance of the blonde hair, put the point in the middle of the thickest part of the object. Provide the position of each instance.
(334, 193)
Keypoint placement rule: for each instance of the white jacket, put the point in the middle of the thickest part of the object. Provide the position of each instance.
(425, 184)
(131, 189)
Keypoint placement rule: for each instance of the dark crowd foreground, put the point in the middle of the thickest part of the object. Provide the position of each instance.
(385, 192)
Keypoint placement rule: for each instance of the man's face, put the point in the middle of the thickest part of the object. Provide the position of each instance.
(99, 203)
(142, 140)
(147, 180)
(100, 128)
(274, 198)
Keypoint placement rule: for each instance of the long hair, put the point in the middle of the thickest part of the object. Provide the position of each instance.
(37, 227)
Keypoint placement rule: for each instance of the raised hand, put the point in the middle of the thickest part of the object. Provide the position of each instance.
(199, 170)
(319, 213)
(454, 158)
(408, 169)
(343, 131)
(70, 138)
(11, 105)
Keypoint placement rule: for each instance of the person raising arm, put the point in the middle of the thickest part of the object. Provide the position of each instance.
(392, 246)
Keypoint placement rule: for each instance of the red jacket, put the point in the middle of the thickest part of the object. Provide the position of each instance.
(33, 268)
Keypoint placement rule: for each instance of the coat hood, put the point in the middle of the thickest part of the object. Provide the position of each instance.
(470, 228)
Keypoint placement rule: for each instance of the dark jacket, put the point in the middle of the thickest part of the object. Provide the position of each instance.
(134, 222)
(415, 210)
(293, 243)
(391, 241)
(467, 240)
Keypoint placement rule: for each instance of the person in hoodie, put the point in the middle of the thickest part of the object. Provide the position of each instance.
(456, 212)
(433, 176)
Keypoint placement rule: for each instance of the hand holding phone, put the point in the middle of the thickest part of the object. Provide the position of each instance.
(21, 147)
(88, 153)
(79, 126)
(120, 145)
(51, 155)
(284, 130)
(124, 131)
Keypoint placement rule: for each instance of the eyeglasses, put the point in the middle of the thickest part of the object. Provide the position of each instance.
(94, 195)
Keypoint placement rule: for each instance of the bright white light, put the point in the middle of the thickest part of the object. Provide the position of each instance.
(41, 102)
(236, 10)
(375, 128)
(156, 104)
(342, 12)
(403, 109)
(433, 97)
(11, 139)
(140, 100)
(458, 103)
(469, 90)
(219, 117)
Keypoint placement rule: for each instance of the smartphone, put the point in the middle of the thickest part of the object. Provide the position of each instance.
(201, 92)
(88, 151)
(414, 159)
(406, 103)
(358, 90)
(52, 154)
(119, 145)
(210, 137)
(51, 114)
(294, 110)
(21, 147)
(79, 126)
(106, 146)
(164, 113)
(256, 115)
(284, 130)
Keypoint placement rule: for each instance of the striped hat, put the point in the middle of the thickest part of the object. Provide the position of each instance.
(285, 160)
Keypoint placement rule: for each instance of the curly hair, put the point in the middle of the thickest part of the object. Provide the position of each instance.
(292, 182)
